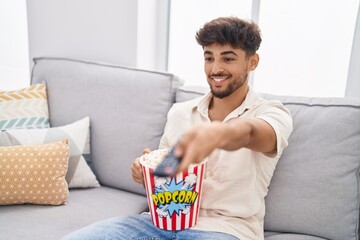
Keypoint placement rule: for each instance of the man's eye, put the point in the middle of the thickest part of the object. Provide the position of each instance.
(228, 59)
(208, 59)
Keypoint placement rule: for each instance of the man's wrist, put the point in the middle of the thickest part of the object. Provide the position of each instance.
(222, 131)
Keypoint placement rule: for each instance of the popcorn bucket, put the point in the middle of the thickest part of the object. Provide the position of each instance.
(174, 202)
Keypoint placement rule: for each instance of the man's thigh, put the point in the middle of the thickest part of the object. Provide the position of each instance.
(199, 235)
(137, 227)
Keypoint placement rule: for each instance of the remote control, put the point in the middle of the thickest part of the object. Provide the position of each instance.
(169, 165)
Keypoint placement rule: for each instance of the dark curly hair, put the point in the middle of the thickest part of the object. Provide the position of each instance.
(233, 31)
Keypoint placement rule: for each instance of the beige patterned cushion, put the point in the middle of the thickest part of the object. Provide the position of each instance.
(34, 174)
(24, 108)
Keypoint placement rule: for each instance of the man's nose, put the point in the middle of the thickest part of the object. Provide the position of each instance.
(217, 68)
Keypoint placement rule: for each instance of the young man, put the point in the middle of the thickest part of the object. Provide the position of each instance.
(241, 134)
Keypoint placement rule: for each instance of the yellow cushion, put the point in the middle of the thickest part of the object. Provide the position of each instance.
(34, 174)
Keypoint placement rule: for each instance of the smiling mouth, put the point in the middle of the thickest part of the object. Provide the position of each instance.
(219, 79)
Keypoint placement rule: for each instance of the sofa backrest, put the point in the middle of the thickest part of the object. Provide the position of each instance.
(315, 187)
(127, 110)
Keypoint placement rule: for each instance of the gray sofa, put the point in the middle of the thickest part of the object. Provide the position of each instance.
(314, 193)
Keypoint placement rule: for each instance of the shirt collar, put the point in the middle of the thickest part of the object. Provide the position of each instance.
(251, 99)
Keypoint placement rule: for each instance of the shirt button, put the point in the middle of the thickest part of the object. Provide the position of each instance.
(211, 174)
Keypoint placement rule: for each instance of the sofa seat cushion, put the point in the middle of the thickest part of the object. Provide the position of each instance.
(287, 236)
(85, 206)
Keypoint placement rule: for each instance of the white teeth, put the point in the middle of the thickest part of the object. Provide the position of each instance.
(218, 79)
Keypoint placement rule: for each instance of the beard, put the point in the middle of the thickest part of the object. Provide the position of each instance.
(232, 86)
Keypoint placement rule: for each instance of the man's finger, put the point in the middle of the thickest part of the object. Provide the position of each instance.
(146, 150)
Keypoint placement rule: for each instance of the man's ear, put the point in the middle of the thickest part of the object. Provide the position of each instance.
(253, 61)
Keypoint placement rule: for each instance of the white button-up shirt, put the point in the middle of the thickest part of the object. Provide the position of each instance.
(236, 182)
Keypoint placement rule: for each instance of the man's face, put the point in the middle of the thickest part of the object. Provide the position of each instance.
(227, 68)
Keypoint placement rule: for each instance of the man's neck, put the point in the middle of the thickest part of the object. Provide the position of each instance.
(220, 108)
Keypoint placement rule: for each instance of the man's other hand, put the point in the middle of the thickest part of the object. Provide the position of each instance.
(136, 170)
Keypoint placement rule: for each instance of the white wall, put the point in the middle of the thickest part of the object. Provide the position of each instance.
(353, 81)
(14, 54)
(93, 30)
(133, 33)
(152, 35)
(306, 47)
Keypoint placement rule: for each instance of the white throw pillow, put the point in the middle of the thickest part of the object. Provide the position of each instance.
(79, 174)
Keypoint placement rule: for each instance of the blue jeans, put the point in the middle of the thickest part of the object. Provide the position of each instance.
(139, 227)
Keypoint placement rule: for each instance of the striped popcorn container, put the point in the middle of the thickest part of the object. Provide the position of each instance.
(174, 202)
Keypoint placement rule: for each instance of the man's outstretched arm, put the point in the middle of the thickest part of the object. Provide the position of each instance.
(197, 143)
